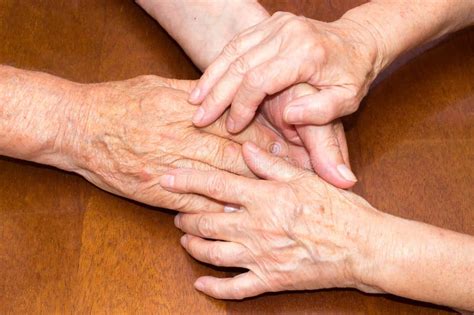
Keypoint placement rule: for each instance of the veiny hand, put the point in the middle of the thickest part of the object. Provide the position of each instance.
(136, 130)
(293, 230)
(340, 59)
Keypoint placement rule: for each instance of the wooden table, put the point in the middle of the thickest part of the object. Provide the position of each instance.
(68, 247)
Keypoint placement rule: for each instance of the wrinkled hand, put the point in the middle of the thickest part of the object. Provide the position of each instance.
(136, 130)
(293, 231)
(340, 59)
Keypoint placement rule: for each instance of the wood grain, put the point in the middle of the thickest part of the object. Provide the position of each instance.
(68, 247)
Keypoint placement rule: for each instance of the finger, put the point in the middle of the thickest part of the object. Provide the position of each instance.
(189, 203)
(219, 226)
(269, 77)
(321, 108)
(238, 46)
(257, 132)
(219, 185)
(326, 155)
(223, 92)
(239, 287)
(217, 253)
(220, 153)
(268, 166)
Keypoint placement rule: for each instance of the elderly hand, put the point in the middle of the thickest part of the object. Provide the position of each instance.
(136, 130)
(340, 59)
(293, 231)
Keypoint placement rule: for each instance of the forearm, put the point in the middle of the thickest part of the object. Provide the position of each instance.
(424, 262)
(398, 26)
(38, 114)
(203, 28)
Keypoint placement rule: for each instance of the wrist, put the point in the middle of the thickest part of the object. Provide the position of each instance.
(371, 249)
(396, 27)
(62, 132)
(203, 28)
(368, 41)
(37, 120)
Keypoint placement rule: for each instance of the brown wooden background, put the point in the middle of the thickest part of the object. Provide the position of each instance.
(68, 247)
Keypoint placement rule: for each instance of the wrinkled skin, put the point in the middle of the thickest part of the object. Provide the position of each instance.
(282, 51)
(293, 230)
(138, 129)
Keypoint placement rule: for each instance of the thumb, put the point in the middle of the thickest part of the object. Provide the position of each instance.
(268, 166)
(321, 107)
(328, 151)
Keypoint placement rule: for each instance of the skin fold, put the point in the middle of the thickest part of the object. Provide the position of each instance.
(122, 136)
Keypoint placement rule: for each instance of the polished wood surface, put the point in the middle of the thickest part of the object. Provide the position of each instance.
(68, 247)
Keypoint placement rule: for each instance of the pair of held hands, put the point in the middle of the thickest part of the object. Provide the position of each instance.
(292, 229)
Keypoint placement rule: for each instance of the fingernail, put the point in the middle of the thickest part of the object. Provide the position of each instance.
(167, 181)
(346, 173)
(184, 240)
(294, 114)
(194, 96)
(199, 115)
(199, 285)
(252, 147)
(231, 208)
(177, 220)
(230, 124)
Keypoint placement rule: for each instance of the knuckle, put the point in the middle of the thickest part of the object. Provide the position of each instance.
(253, 79)
(205, 226)
(233, 47)
(239, 66)
(296, 23)
(216, 186)
(319, 52)
(215, 256)
(213, 98)
(229, 154)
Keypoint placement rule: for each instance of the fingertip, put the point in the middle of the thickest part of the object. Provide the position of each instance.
(199, 284)
(195, 96)
(346, 173)
(332, 175)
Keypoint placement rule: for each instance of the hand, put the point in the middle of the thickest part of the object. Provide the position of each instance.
(136, 130)
(293, 230)
(340, 59)
(326, 144)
